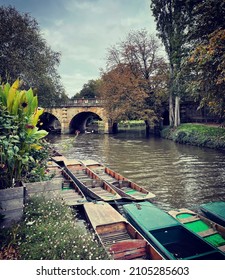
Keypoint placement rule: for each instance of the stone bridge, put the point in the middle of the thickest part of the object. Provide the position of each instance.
(76, 115)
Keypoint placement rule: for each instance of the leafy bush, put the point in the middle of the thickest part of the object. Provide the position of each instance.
(21, 144)
(197, 135)
(50, 232)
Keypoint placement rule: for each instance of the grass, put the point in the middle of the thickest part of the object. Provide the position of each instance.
(49, 231)
(197, 134)
(131, 123)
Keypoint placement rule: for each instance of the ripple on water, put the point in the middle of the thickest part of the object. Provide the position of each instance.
(179, 175)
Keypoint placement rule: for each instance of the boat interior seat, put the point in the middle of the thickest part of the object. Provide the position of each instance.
(129, 249)
(222, 248)
(124, 184)
(93, 183)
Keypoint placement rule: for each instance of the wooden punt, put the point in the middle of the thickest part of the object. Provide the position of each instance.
(119, 238)
(207, 229)
(91, 185)
(170, 237)
(124, 187)
(70, 193)
(215, 211)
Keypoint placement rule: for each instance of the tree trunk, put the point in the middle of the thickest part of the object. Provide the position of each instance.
(177, 112)
(147, 129)
(171, 112)
(115, 128)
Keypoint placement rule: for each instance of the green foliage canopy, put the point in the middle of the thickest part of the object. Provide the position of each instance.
(25, 54)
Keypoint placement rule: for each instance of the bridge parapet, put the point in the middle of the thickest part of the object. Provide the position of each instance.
(81, 102)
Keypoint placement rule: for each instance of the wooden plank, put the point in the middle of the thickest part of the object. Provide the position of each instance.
(129, 249)
(51, 185)
(221, 248)
(69, 162)
(102, 213)
(207, 232)
(188, 220)
(11, 204)
(89, 162)
(11, 193)
(128, 245)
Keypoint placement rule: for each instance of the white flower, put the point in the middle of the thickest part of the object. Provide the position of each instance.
(30, 223)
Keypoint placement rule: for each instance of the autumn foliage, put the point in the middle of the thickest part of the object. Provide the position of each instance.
(134, 84)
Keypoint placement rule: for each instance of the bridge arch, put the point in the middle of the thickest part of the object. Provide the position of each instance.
(68, 116)
(84, 122)
(50, 123)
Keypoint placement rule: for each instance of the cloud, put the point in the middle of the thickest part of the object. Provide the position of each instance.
(82, 30)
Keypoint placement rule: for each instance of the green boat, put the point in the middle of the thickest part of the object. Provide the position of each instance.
(210, 231)
(169, 236)
(215, 211)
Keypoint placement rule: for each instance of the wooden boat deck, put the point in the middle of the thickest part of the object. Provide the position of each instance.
(92, 184)
(117, 236)
(70, 192)
(122, 185)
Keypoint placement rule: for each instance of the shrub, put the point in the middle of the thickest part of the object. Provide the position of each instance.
(50, 232)
(20, 141)
(197, 135)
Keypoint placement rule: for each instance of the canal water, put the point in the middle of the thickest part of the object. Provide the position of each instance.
(180, 176)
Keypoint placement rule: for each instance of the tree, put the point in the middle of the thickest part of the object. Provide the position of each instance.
(132, 82)
(172, 17)
(90, 89)
(25, 54)
(205, 65)
(205, 17)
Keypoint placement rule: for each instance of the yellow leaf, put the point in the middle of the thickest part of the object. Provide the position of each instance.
(35, 117)
(11, 94)
(36, 147)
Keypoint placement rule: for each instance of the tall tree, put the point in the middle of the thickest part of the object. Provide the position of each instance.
(205, 65)
(25, 54)
(171, 17)
(136, 69)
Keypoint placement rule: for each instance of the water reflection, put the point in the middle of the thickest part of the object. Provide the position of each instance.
(179, 175)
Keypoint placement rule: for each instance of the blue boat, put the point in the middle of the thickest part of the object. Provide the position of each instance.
(169, 236)
(215, 211)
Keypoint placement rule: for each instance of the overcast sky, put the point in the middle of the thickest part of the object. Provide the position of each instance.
(82, 30)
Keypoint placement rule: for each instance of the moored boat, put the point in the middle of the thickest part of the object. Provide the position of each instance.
(207, 229)
(123, 186)
(70, 192)
(215, 211)
(119, 238)
(88, 182)
(169, 236)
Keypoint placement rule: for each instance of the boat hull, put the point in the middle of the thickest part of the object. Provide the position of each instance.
(210, 231)
(90, 184)
(169, 236)
(70, 192)
(119, 238)
(124, 187)
(215, 211)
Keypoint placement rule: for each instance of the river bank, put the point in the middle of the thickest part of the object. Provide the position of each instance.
(201, 135)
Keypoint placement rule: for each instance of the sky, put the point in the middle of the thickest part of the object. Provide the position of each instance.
(83, 30)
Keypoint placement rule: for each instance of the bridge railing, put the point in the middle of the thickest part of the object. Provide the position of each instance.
(82, 102)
